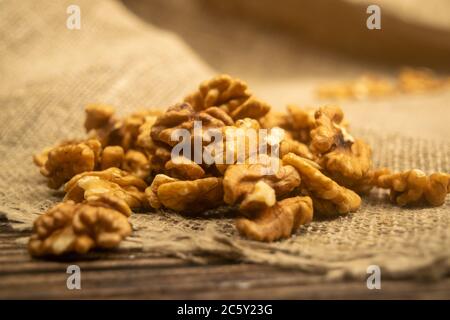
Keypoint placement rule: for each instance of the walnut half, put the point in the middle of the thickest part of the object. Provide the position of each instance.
(185, 196)
(113, 181)
(415, 187)
(231, 95)
(71, 227)
(279, 221)
(61, 163)
(329, 198)
(242, 184)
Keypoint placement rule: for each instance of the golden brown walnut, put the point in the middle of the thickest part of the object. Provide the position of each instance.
(296, 147)
(186, 196)
(144, 140)
(240, 141)
(336, 199)
(279, 221)
(261, 197)
(151, 192)
(41, 158)
(110, 201)
(97, 116)
(275, 119)
(71, 227)
(300, 122)
(137, 164)
(112, 156)
(414, 187)
(240, 182)
(65, 161)
(192, 196)
(231, 95)
(128, 130)
(159, 159)
(350, 166)
(345, 159)
(327, 133)
(157, 153)
(182, 116)
(113, 181)
(113, 131)
(184, 169)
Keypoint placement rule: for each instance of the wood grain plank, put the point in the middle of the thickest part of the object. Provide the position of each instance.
(140, 275)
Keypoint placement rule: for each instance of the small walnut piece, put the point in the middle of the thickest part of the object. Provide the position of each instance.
(137, 164)
(301, 122)
(113, 181)
(112, 156)
(275, 119)
(350, 166)
(293, 146)
(97, 116)
(183, 116)
(414, 187)
(261, 197)
(70, 227)
(152, 191)
(65, 161)
(335, 198)
(144, 140)
(327, 133)
(231, 95)
(345, 159)
(278, 221)
(185, 169)
(240, 181)
(240, 142)
(191, 196)
(113, 131)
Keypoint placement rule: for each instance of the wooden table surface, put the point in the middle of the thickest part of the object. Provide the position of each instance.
(138, 275)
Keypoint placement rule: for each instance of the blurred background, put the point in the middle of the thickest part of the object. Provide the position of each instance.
(153, 52)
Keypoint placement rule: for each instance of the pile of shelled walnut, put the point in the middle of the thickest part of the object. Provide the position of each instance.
(125, 165)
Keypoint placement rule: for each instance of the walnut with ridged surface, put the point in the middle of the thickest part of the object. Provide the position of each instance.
(336, 200)
(65, 161)
(183, 116)
(240, 181)
(327, 132)
(229, 94)
(414, 187)
(350, 166)
(115, 131)
(137, 163)
(186, 196)
(345, 159)
(78, 227)
(300, 122)
(112, 156)
(152, 191)
(184, 169)
(278, 221)
(113, 181)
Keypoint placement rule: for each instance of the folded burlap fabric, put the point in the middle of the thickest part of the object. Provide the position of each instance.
(49, 73)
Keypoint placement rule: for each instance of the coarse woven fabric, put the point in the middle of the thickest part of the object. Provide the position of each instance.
(49, 73)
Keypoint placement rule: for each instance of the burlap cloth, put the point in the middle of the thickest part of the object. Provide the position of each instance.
(48, 73)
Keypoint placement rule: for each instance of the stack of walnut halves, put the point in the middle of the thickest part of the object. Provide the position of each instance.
(126, 164)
